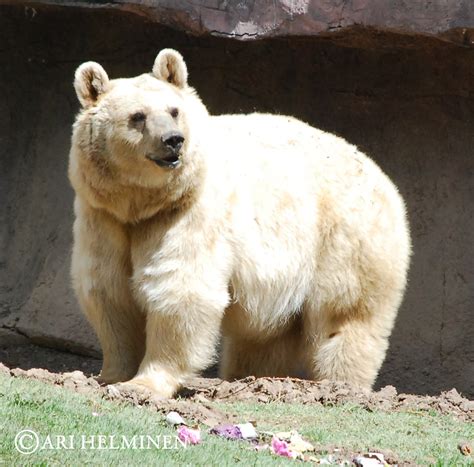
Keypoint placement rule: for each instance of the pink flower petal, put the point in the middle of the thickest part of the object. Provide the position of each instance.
(281, 448)
(188, 435)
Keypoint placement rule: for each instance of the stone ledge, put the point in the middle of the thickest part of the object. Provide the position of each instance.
(452, 21)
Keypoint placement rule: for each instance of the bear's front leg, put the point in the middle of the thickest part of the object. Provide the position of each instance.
(184, 291)
(101, 274)
(178, 346)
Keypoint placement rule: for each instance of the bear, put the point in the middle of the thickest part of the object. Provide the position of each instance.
(284, 241)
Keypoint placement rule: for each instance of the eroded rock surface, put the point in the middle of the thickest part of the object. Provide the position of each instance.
(269, 18)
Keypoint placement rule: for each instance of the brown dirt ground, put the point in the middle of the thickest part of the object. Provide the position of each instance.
(195, 401)
(75, 372)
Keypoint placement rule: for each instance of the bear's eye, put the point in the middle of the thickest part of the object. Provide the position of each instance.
(138, 117)
(174, 112)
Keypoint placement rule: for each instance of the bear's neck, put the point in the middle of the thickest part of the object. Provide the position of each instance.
(132, 204)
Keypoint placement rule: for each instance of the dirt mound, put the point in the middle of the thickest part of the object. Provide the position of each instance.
(194, 401)
(329, 393)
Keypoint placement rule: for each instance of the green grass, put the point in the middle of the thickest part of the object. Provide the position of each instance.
(421, 437)
(48, 410)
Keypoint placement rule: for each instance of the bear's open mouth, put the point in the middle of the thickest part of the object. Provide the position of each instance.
(170, 162)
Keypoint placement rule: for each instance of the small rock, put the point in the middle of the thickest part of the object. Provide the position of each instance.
(444, 406)
(83, 389)
(467, 406)
(388, 392)
(112, 391)
(454, 397)
(174, 418)
(41, 374)
(69, 384)
(201, 398)
(298, 444)
(17, 372)
(76, 375)
(465, 448)
(371, 459)
(247, 430)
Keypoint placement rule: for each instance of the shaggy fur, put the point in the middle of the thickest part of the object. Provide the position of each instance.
(287, 239)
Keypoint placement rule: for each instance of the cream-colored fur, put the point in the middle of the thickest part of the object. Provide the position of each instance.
(287, 239)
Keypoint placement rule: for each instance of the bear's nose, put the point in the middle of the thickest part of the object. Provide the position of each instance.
(173, 140)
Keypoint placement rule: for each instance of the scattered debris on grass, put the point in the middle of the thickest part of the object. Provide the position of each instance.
(189, 435)
(227, 431)
(285, 444)
(295, 441)
(195, 404)
(174, 418)
(291, 444)
(371, 459)
(240, 431)
(288, 444)
(247, 430)
(282, 448)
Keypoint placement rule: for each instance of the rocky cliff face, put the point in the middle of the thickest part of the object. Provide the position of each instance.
(254, 19)
(394, 77)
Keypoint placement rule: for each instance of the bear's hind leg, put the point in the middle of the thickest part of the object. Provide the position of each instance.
(348, 346)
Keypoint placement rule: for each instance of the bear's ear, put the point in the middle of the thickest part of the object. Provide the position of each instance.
(90, 81)
(169, 66)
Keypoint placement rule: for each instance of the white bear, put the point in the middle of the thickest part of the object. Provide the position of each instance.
(285, 238)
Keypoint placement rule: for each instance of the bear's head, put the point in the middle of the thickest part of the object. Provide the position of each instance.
(133, 135)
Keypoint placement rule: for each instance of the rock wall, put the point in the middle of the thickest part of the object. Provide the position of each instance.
(405, 99)
(257, 19)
